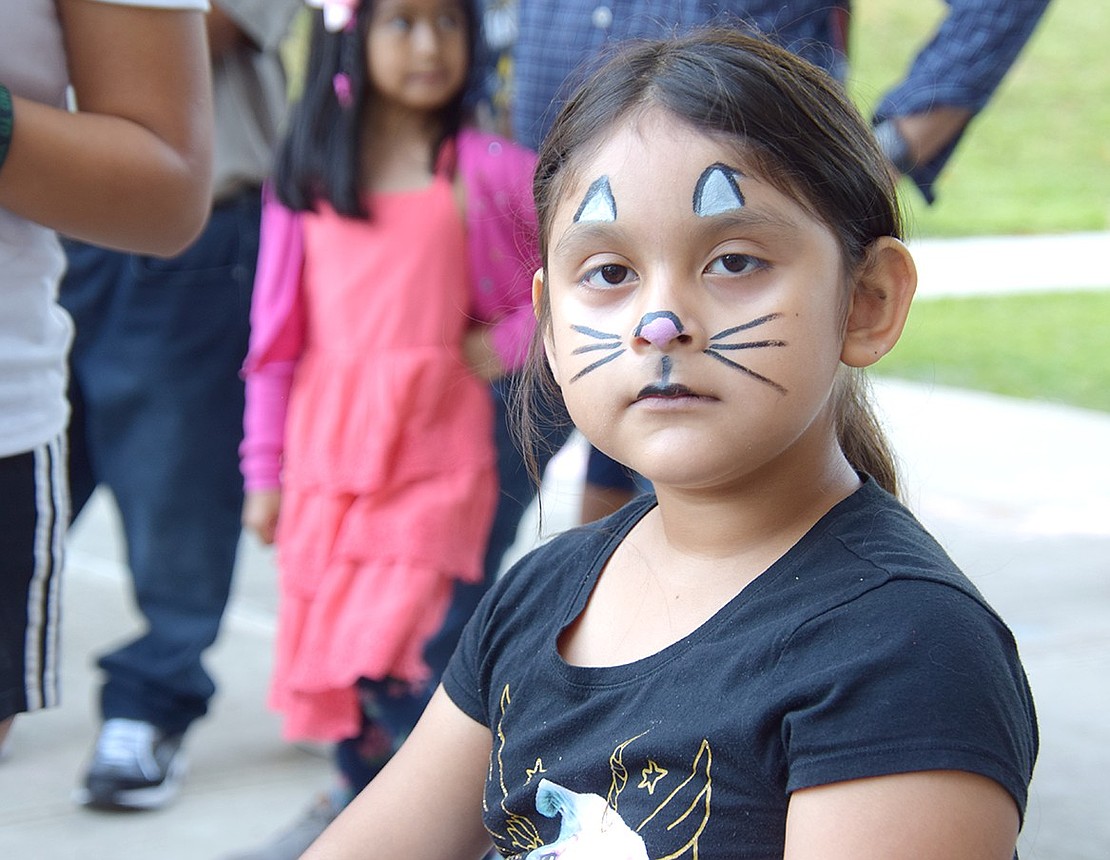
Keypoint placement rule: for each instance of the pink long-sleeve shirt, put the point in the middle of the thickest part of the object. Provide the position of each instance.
(502, 254)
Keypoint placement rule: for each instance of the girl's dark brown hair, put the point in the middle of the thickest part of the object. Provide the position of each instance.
(794, 127)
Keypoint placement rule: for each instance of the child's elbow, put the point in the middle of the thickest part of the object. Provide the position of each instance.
(185, 219)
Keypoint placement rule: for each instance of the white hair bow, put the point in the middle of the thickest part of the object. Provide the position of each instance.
(338, 14)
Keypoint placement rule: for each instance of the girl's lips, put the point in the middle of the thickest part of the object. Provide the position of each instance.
(429, 76)
(668, 391)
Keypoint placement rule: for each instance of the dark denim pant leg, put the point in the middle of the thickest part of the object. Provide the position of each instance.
(389, 713)
(516, 485)
(158, 407)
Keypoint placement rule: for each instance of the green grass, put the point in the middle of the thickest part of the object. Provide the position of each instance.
(1043, 346)
(1037, 159)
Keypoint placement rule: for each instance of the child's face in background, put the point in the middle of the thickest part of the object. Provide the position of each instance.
(697, 313)
(417, 52)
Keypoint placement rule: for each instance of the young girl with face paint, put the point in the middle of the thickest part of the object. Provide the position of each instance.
(393, 284)
(769, 657)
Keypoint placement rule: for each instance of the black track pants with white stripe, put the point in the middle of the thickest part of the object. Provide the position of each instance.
(34, 512)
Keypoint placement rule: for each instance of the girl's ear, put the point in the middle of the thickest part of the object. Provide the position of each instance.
(537, 304)
(880, 302)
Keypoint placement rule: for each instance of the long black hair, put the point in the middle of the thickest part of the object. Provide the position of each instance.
(319, 156)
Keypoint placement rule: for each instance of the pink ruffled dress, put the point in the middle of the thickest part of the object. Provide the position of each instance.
(389, 478)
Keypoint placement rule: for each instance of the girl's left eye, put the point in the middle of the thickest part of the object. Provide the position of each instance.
(734, 264)
(608, 275)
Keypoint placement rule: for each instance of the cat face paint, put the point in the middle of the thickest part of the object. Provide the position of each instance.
(718, 191)
(611, 343)
(598, 205)
(717, 347)
(696, 310)
(658, 328)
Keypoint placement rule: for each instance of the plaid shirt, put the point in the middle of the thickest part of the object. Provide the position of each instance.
(961, 65)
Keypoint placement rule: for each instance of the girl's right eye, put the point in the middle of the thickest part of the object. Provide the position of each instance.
(400, 23)
(608, 275)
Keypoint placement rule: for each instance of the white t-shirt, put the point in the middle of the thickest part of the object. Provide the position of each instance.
(249, 95)
(34, 331)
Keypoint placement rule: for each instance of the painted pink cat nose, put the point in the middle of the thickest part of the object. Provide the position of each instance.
(659, 328)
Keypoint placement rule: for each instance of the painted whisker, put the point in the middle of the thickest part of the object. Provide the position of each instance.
(593, 332)
(715, 349)
(608, 341)
(593, 347)
(758, 321)
(756, 376)
(595, 365)
(750, 344)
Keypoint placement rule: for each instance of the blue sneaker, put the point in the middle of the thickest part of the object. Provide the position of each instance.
(135, 766)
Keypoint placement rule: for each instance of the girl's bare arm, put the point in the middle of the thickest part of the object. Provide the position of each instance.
(427, 802)
(939, 815)
(132, 169)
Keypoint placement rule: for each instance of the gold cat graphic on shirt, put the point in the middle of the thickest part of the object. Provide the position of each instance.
(594, 828)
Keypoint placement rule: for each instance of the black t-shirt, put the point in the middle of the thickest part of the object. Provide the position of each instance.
(863, 651)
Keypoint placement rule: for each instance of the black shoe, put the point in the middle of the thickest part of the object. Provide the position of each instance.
(135, 766)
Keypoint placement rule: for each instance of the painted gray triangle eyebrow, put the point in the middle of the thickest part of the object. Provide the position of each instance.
(598, 204)
(718, 191)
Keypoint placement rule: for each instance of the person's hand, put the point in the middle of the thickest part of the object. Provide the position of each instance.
(480, 355)
(908, 141)
(260, 513)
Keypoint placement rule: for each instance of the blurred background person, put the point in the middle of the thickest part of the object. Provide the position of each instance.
(394, 283)
(157, 405)
(131, 169)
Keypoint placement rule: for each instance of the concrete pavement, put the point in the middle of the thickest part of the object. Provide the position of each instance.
(1019, 492)
(1009, 264)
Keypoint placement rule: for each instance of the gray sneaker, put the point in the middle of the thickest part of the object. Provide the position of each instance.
(292, 843)
(135, 766)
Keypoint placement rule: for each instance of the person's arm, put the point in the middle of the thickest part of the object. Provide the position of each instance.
(931, 814)
(276, 340)
(133, 168)
(266, 402)
(426, 804)
(502, 244)
(952, 78)
(917, 739)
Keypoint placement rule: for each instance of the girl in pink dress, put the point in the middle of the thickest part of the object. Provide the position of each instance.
(394, 282)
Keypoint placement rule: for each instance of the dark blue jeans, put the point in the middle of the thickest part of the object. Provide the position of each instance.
(157, 418)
